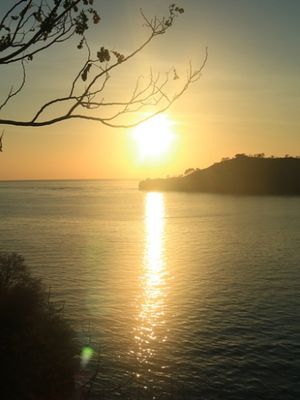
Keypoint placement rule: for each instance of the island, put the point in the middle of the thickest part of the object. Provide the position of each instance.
(242, 175)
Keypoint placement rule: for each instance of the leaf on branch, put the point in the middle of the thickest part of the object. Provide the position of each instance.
(120, 57)
(48, 24)
(96, 17)
(175, 8)
(103, 54)
(81, 23)
(85, 72)
(5, 42)
(174, 11)
(66, 4)
(179, 10)
(25, 9)
(38, 16)
(80, 44)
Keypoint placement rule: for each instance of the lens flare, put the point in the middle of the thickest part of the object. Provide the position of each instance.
(86, 355)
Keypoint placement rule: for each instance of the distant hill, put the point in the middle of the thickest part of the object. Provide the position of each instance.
(245, 175)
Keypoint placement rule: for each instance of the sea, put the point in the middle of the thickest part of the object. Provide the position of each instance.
(180, 295)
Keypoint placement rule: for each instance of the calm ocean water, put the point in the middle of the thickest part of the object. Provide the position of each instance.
(191, 295)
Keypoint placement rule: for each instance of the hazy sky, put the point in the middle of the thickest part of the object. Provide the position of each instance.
(247, 100)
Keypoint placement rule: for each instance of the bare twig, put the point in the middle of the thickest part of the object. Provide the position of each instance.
(13, 92)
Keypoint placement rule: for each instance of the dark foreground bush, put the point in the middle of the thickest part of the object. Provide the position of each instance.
(37, 350)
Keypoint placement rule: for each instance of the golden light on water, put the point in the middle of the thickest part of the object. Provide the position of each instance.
(150, 330)
(153, 138)
(154, 224)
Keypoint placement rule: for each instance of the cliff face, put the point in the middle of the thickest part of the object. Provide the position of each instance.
(241, 175)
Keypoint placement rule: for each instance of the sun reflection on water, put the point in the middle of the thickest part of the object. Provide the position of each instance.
(150, 332)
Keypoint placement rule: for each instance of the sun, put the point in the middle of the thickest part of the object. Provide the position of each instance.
(154, 137)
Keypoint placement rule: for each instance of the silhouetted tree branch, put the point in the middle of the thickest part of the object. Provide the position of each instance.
(30, 27)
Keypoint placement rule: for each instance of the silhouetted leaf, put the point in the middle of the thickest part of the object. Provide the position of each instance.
(175, 77)
(96, 17)
(38, 16)
(81, 23)
(85, 72)
(103, 54)
(120, 57)
(80, 44)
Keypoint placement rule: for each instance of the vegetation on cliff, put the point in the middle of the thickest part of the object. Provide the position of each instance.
(38, 352)
(246, 175)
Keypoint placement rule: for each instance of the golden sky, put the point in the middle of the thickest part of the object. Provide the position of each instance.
(247, 100)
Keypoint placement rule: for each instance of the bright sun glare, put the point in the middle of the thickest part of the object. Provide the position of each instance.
(154, 137)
